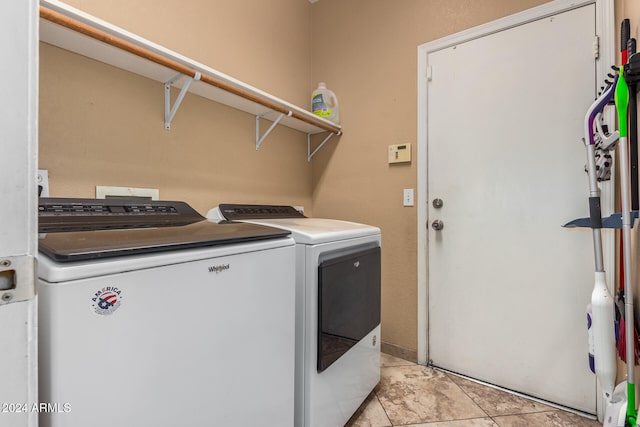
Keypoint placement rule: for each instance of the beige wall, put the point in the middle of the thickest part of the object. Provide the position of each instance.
(102, 126)
(263, 43)
(366, 51)
(627, 9)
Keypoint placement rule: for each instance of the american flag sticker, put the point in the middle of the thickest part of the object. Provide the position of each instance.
(106, 300)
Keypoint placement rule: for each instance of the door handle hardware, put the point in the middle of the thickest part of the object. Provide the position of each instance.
(437, 203)
(437, 225)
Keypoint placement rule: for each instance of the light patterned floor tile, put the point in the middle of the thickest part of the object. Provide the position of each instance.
(417, 394)
(497, 402)
(546, 419)
(476, 422)
(370, 414)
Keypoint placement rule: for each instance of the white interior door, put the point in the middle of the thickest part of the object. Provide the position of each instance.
(18, 211)
(507, 285)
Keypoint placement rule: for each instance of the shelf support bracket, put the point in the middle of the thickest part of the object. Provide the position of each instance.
(311, 154)
(260, 139)
(169, 111)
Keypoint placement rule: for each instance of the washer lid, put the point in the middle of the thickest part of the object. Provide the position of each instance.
(311, 231)
(83, 229)
(83, 245)
(304, 230)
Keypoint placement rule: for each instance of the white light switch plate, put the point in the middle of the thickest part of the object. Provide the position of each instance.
(407, 197)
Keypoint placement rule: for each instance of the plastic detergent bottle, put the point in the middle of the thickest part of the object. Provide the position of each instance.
(325, 104)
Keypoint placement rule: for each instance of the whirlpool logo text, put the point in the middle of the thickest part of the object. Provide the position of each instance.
(218, 268)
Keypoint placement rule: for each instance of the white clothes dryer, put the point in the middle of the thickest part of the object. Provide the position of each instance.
(150, 315)
(337, 309)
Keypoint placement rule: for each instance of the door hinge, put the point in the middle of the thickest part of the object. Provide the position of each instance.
(429, 73)
(596, 47)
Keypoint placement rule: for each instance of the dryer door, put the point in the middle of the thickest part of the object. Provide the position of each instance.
(348, 301)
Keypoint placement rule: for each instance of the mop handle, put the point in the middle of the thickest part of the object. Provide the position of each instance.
(622, 103)
(595, 213)
(625, 35)
(596, 108)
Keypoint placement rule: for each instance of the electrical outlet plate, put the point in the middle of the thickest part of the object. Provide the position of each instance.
(105, 192)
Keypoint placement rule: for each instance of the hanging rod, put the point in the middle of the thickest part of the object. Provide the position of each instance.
(72, 24)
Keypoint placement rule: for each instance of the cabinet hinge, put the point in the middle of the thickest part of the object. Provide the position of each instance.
(596, 47)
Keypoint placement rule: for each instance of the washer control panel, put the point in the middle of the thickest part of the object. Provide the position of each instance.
(67, 214)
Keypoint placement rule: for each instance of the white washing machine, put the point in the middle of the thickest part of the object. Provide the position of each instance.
(337, 309)
(150, 315)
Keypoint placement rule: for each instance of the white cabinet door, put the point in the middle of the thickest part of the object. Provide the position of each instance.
(18, 213)
(508, 286)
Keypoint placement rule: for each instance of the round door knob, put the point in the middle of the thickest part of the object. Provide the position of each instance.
(437, 203)
(437, 225)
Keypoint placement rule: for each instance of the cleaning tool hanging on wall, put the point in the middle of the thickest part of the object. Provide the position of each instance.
(632, 77)
(602, 303)
(622, 103)
(627, 49)
(620, 406)
(600, 312)
(325, 104)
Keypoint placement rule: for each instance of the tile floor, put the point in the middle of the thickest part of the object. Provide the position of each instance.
(417, 396)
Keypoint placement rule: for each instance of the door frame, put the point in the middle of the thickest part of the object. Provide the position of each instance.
(605, 29)
(18, 189)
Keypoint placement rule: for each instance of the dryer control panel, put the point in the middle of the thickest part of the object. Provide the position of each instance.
(242, 212)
